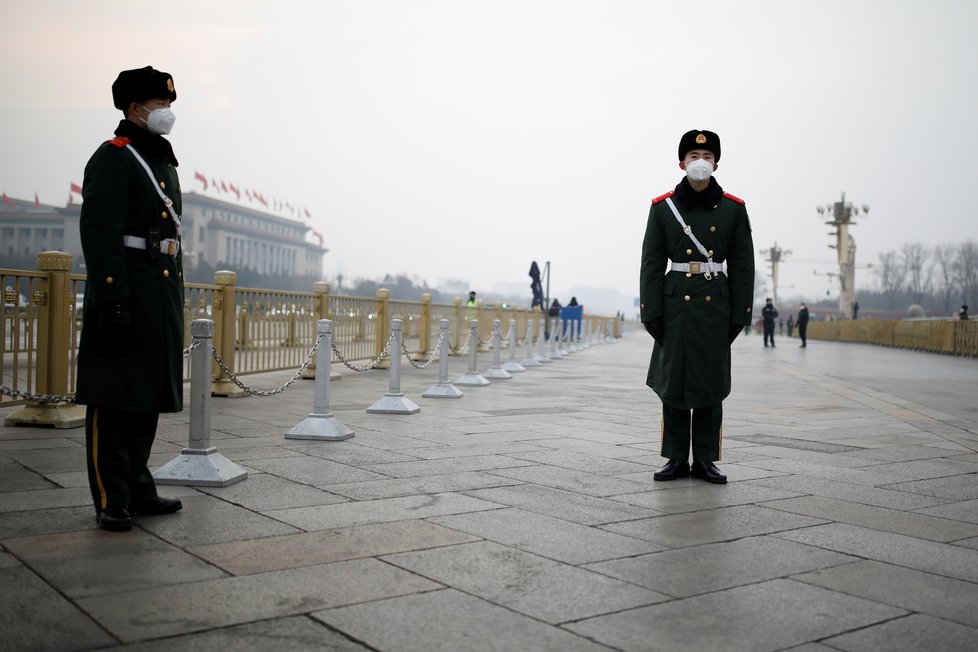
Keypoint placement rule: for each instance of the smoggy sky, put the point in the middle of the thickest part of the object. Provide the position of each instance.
(461, 140)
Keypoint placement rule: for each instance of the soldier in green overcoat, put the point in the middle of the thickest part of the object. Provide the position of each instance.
(130, 362)
(697, 283)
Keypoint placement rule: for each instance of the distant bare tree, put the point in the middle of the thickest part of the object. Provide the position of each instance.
(891, 275)
(917, 273)
(966, 270)
(943, 267)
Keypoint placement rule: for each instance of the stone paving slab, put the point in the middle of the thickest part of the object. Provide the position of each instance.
(169, 611)
(902, 587)
(720, 565)
(524, 516)
(450, 621)
(910, 634)
(532, 585)
(754, 618)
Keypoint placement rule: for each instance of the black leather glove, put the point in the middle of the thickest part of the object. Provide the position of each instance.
(114, 324)
(735, 330)
(654, 328)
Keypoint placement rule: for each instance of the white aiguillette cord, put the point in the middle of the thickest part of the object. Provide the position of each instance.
(689, 231)
(156, 186)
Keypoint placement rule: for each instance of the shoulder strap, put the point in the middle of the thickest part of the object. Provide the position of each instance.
(734, 198)
(156, 185)
(663, 196)
(119, 141)
(688, 230)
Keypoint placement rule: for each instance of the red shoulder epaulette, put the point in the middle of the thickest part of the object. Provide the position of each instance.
(662, 197)
(120, 141)
(734, 197)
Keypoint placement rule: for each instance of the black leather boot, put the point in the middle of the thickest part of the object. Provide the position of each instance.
(674, 469)
(708, 471)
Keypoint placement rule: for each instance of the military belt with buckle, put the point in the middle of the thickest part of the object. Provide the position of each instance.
(167, 246)
(698, 267)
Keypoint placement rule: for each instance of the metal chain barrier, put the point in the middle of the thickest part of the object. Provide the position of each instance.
(271, 392)
(35, 398)
(458, 350)
(372, 365)
(187, 351)
(431, 358)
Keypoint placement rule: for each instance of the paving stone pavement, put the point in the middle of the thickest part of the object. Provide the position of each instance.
(523, 516)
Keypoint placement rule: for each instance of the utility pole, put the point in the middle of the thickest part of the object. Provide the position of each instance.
(841, 215)
(774, 256)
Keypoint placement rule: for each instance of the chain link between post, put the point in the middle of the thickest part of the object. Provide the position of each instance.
(431, 358)
(372, 365)
(271, 392)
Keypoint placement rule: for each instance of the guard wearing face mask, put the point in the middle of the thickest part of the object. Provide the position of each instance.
(130, 362)
(697, 282)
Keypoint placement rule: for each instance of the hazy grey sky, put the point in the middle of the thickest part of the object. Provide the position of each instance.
(454, 139)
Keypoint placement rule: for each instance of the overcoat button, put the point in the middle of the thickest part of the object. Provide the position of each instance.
(166, 273)
(164, 215)
(689, 274)
(712, 229)
(686, 297)
(109, 280)
(163, 185)
(689, 251)
(708, 298)
(711, 252)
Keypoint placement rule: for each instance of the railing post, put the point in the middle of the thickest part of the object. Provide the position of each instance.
(394, 401)
(542, 343)
(321, 425)
(425, 335)
(53, 334)
(443, 388)
(224, 309)
(200, 464)
(382, 326)
(485, 326)
(321, 307)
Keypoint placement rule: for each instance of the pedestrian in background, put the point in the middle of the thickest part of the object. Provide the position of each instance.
(963, 313)
(696, 310)
(803, 325)
(769, 314)
(791, 325)
(130, 358)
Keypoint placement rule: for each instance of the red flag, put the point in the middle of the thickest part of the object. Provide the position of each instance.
(308, 214)
(200, 177)
(214, 183)
(71, 199)
(319, 236)
(248, 194)
(224, 186)
(37, 202)
(76, 188)
(234, 190)
(7, 200)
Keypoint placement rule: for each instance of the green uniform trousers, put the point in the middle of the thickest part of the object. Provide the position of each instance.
(704, 427)
(118, 444)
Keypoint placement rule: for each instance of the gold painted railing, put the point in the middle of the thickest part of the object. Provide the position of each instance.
(951, 336)
(254, 330)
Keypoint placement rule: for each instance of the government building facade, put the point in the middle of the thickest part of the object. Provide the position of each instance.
(216, 234)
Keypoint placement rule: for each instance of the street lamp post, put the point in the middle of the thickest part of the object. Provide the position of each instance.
(841, 214)
(774, 256)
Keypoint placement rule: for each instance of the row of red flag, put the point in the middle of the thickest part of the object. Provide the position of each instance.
(222, 187)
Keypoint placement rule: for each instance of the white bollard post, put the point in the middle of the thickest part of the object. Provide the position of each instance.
(472, 378)
(496, 371)
(321, 425)
(394, 401)
(562, 347)
(530, 360)
(443, 388)
(541, 356)
(200, 465)
(554, 354)
(512, 366)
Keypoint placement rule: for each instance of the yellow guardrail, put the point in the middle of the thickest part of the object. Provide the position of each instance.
(254, 330)
(952, 336)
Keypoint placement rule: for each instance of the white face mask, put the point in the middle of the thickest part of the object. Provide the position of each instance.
(160, 120)
(699, 170)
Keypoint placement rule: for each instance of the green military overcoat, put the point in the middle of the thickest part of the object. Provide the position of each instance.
(120, 199)
(690, 366)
